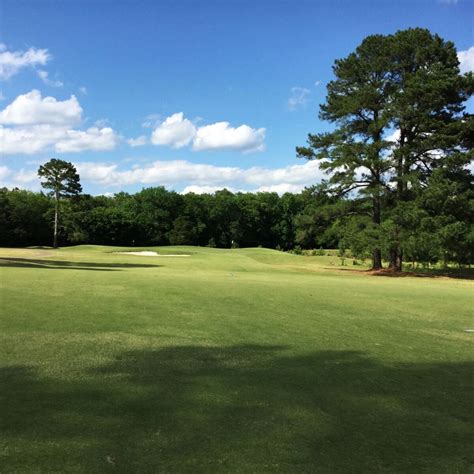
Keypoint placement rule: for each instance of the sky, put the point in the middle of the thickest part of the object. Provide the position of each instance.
(191, 95)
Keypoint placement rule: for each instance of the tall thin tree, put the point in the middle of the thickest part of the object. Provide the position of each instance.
(62, 179)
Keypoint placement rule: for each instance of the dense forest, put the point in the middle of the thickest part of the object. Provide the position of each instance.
(399, 187)
(438, 223)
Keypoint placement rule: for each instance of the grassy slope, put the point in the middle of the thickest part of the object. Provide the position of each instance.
(230, 360)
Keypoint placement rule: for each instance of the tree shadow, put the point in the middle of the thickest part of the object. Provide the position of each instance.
(246, 408)
(462, 273)
(68, 265)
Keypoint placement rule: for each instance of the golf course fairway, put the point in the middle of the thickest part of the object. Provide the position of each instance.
(244, 360)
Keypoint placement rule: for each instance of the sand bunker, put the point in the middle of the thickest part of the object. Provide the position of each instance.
(149, 253)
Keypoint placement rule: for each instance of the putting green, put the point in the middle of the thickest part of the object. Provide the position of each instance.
(246, 360)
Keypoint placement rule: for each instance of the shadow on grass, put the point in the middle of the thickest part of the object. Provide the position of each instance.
(461, 273)
(245, 408)
(62, 264)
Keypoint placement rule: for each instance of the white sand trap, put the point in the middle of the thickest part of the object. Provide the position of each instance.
(149, 253)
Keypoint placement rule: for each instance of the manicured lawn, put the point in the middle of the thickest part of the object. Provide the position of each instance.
(244, 360)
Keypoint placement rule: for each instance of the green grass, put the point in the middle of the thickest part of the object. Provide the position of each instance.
(245, 360)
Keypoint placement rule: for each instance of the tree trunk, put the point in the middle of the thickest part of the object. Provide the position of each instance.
(396, 258)
(396, 252)
(377, 260)
(377, 252)
(56, 222)
(398, 261)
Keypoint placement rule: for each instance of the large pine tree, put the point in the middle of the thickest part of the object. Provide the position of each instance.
(407, 85)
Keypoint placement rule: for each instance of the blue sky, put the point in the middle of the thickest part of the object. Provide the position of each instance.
(191, 95)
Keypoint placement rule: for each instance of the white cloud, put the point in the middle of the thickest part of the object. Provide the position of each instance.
(281, 188)
(139, 141)
(299, 97)
(293, 174)
(102, 122)
(25, 176)
(94, 138)
(19, 179)
(32, 109)
(4, 173)
(2, 96)
(83, 90)
(96, 172)
(466, 60)
(37, 124)
(196, 189)
(11, 62)
(44, 76)
(197, 177)
(317, 83)
(152, 121)
(176, 132)
(221, 136)
(393, 136)
(179, 174)
(29, 140)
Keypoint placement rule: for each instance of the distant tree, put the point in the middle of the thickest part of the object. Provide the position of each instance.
(62, 179)
(24, 218)
(154, 210)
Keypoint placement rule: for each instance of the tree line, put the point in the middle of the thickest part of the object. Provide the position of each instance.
(399, 187)
(438, 224)
(156, 216)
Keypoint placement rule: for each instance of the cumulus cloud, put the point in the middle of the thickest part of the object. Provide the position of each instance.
(19, 179)
(33, 124)
(25, 176)
(196, 189)
(176, 132)
(32, 109)
(281, 188)
(96, 172)
(94, 139)
(139, 141)
(38, 138)
(29, 140)
(466, 60)
(180, 174)
(11, 62)
(198, 177)
(299, 97)
(221, 136)
(44, 76)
